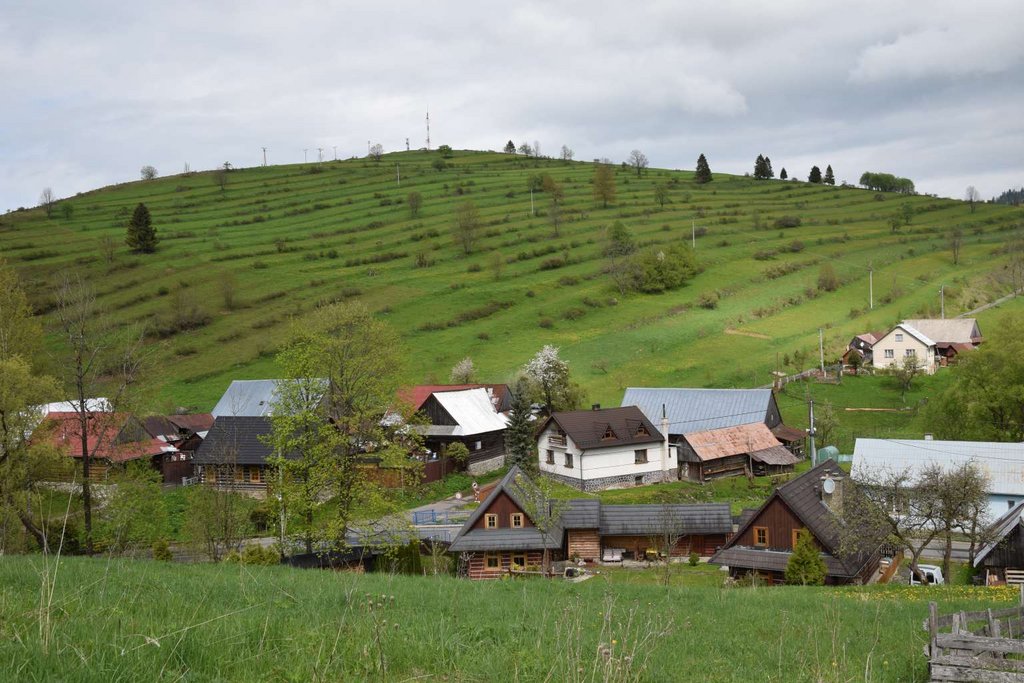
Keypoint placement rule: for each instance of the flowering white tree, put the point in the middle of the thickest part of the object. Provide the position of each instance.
(463, 372)
(550, 376)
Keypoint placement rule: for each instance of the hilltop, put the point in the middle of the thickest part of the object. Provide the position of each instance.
(238, 261)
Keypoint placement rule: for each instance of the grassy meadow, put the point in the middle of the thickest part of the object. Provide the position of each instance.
(116, 620)
(245, 259)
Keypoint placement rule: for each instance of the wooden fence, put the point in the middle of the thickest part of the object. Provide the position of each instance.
(981, 646)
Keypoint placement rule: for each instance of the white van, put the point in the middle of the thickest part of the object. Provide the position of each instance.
(932, 574)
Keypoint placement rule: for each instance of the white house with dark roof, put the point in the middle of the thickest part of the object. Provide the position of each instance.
(595, 449)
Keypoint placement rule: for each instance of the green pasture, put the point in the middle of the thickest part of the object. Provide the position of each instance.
(288, 238)
(102, 620)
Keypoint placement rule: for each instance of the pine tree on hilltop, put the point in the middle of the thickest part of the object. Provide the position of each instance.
(759, 167)
(141, 233)
(805, 566)
(768, 172)
(815, 176)
(829, 178)
(782, 174)
(520, 444)
(510, 147)
(703, 173)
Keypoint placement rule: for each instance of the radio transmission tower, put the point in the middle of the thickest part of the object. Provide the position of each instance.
(428, 130)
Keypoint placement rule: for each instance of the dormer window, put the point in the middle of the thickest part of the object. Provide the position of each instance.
(642, 431)
(609, 433)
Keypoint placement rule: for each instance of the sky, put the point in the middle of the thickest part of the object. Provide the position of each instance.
(91, 91)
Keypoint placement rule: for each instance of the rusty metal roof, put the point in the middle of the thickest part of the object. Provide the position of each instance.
(721, 443)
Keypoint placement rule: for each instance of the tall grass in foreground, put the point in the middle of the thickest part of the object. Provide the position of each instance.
(124, 620)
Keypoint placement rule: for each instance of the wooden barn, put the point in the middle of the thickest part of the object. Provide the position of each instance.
(112, 439)
(731, 451)
(470, 417)
(185, 433)
(765, 541)
(1001, 560)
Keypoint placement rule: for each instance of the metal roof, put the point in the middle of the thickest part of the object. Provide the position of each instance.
(913, 332)
(1002, 462)
(249, 398)
(697, 410)
(951, 330)
(473, 410)
(721, 443)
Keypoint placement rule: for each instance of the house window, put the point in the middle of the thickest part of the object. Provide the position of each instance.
(889, 353)
(551, 457)
(492, 562)
(478, 445)
(568, 459)
(899, 337)
(796, 534)
(609, 433)
(761, 535)
(517, 520)
(640, 456)
(490, 521)
(519, 560)
(254, 474)
(1010, 504)
(239, 473)
(910, 353)
(642, 431)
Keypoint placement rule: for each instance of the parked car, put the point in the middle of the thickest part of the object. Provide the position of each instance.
(932, 575)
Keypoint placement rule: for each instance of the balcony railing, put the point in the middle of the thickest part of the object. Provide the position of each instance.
(557, 439)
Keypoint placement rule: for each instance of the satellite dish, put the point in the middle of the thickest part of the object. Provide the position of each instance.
(828, 486)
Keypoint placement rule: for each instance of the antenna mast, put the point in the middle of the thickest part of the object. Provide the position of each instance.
(428, 129)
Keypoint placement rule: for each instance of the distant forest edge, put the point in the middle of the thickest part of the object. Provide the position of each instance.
(642, 276)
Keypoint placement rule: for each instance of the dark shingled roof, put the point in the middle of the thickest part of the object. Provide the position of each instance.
(587, 428)
(517, 486)
(644, 520)
(771, 560)
(1000, 529)
(236, 440)
(582, 513)
(803, 497)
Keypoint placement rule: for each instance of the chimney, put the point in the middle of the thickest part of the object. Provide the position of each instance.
(833, 499)
(596, 406)
(927, 437)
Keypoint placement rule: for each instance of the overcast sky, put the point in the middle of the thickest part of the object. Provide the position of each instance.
(93, 90)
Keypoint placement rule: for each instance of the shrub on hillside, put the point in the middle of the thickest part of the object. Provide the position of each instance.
(828, 281)
(708, 300)
(787, 222)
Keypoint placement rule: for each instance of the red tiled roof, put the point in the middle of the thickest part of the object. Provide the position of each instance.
(107, 438)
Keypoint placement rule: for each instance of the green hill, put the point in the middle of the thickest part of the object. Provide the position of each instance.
(281, 239)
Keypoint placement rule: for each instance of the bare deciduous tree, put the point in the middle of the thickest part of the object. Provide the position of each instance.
(466, 226)
(377, 151)
(638, 160)
(147, 172)
(567, 153)
(47, 201)
(956, 240)
(972, 196)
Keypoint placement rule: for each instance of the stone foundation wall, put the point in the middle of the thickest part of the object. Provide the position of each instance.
(606, 482)
(484, 466)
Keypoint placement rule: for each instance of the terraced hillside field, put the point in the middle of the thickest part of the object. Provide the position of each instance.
(243, 260)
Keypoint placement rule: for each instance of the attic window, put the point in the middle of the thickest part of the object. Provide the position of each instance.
(609, 433)
(491, 521)
(899, 337)
(642, 431)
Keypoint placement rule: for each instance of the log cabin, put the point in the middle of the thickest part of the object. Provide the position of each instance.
(1001, 560)
(765, 542)
(112, 439)
(466, 416)
(747, 449)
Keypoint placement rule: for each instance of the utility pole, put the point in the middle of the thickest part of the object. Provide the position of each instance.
(821, 350)
(942, 300)
(320, 154)
(664, 446)
(532, 212)
(407, 144)
(811, 432)
(264, 156)
(693, 233)
(304, 158)
(871, 287)
(398, 174)
(367, 148)
(335, 152)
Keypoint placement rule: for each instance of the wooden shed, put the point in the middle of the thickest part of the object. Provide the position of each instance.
(1001, 560)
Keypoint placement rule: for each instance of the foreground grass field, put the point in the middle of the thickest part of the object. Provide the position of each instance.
(100, 620)
(239, 261)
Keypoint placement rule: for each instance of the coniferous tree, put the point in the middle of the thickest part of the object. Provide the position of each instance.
(829, 178)
(520, 444)
(805, 566)
(815, 176)
(782, 174)
(759, 167)
(768, 172)
(510, 147)
(703, 173)
(141, 233)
